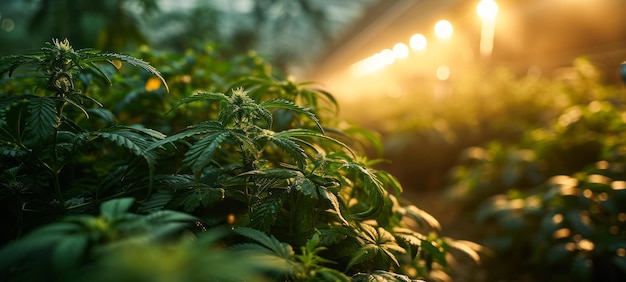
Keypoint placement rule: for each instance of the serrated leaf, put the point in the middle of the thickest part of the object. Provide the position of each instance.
(42, 121)
(201, 153)
(264, 214)
(334, 202)
(291, 148)
(205, 127)
(202, 196)
(299, 132)
(156, 201)
(332, 235)
(274, 173)
(376, 193)
(411, 242)
(104, 114)
(364, 253)
(387, 178)
(283, 250)
(88, 57)
(285, 104)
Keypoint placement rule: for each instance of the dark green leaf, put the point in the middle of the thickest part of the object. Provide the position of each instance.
(201, 153)
(264, 214)
(115, 208)
(282, 250)
(365, 253)
(201, 96)
(42, 121)
(284, 104)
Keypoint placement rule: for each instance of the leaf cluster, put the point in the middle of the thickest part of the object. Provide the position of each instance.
(554, 201)
(301, 203)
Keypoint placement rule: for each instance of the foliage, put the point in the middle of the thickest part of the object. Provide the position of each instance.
(555, 200)
(264, 160)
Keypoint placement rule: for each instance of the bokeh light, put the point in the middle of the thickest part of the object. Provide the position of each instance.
(443, 29)
(418, 42)
(487, 9)
(7, 25)
(400, 51)
(443, 73)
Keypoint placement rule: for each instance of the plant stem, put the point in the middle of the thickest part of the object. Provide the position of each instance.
(55, 158)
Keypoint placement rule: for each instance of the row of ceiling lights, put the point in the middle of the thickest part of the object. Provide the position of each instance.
(486, 9)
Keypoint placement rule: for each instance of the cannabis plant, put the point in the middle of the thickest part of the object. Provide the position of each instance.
(43, 135)
(256, 172)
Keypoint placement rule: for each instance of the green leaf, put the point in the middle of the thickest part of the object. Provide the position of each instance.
(88, 57)
(167, 216)
(329, 274)
(201, 153)
(364, 253)
(285, 104)
(202, 196)
(78, 100)
(13, 123)
(410, 242)
(137, 139)
(422, 217)
(299, 132)
(274, 173)
(334, 202)
(42, 121)
(201, 96)
(470, 248)
(333, 234)
(283, 250)
(306, 186)
(114, 209)
(197, 129)
(387, 178)
(104, 114)
(264, 214)
(381, 275)
(291, 148)
(69, 251)
(156, 201)
(376, 193)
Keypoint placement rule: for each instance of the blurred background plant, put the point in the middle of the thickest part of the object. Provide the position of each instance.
(286, 33)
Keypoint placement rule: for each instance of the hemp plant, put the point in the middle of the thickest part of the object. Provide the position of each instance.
(255, 173)
(40, 128)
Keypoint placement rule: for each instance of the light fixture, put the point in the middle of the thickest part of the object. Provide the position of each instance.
(443, 29)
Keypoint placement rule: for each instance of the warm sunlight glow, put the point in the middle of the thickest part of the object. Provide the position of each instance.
(387, 57)
(487, 9)
(374, 62)
(618, 185)
(400, 51)
(443, 72)
(443, 29)
(394, 91)
(418, 42)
